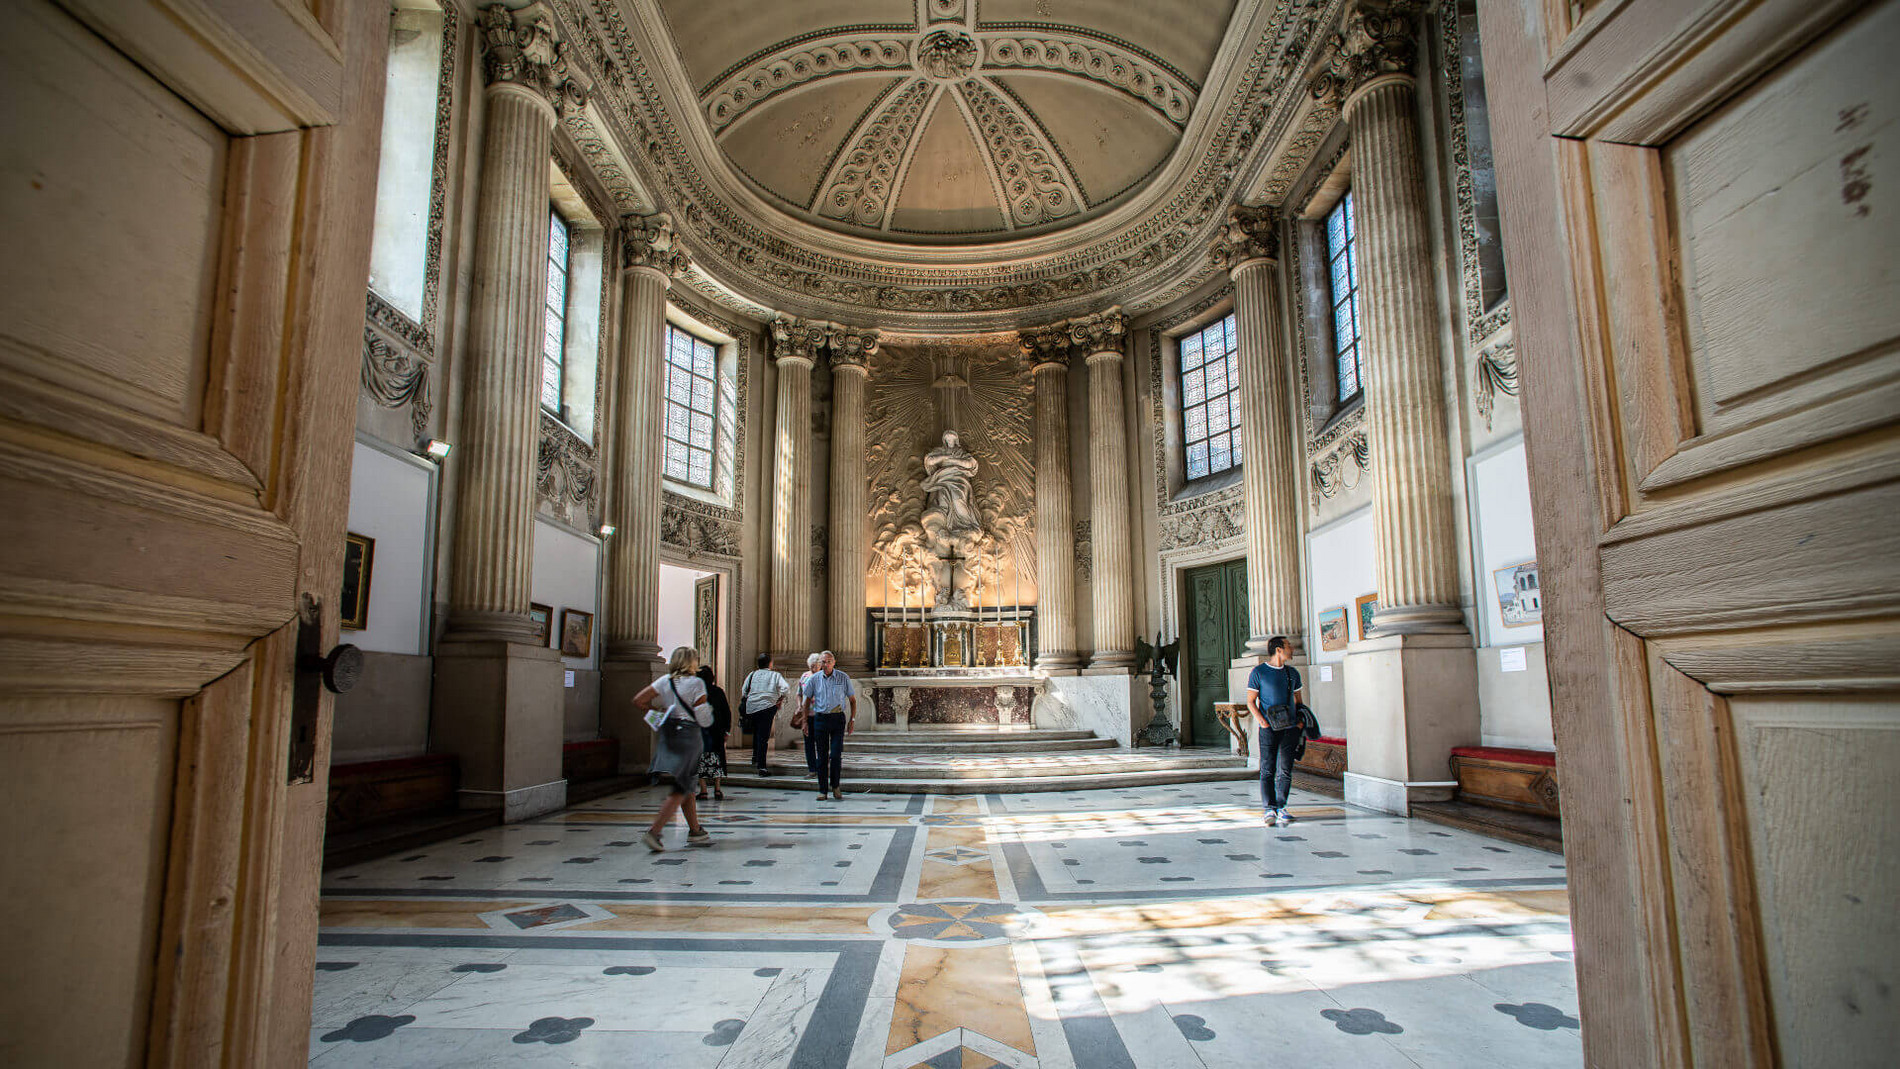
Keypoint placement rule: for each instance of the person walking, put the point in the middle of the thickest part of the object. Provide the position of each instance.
(712, 758)
(802, 721)
(1273, 696)
(677, 710)
(823, 698)
(761, 697)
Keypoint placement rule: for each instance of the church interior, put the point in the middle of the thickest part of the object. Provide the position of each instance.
(398, 392)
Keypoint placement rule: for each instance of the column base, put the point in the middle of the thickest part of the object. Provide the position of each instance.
(1257, 648)
(1116, 660)
(620, 680)
(1394, 796)
(500, 708)
(1408, 700)
(1419, 620)
(1061, 662)
(473, 626)
(522, 803)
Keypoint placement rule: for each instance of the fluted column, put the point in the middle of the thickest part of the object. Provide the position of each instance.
(795, 348)
(849, 506)
(649, 258)
(1413, 512)
(1048, 352)
(1112, 567)
(492, 566)
(1249, 249)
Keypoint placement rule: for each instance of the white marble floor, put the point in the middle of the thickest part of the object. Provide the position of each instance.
(1150, 927)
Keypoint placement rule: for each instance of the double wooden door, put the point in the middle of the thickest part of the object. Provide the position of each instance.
(1215, 635)
(187, 207)
(1701, 207)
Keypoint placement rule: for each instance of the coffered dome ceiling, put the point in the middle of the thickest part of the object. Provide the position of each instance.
(947, 120)
(941, 166)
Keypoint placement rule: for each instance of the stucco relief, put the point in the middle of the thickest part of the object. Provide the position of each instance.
(981, 388)
(395, 378)
(693, 533)
(566, 476)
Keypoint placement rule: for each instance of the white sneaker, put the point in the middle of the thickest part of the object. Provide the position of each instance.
(1286, 817)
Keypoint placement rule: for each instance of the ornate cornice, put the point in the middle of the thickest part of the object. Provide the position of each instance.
(648, 241)
(1103, 332)
(1251, 234)
(1131, 256)
(1379, 37)
(519, 47)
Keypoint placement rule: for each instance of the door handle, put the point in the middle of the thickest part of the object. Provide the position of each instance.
(336, 671)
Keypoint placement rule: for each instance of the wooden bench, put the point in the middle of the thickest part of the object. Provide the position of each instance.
(1324, 756)
(590, 759)
(377, 792)
(1507, 778)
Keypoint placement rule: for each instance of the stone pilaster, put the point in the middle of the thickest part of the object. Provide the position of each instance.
(795, 348)
(498, 695)
(631, 654)
(850, 509)
(1413, 685)
(1250, 250)
(1112, 571)
(1048, 353)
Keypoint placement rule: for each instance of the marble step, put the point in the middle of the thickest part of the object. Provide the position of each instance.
(999, 785)
(1009, 767)
(971, 733)
(877, 745)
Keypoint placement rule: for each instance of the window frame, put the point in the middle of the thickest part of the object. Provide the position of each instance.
(554, 316)
(693, 378)
(1226, 330)
(1343, 347)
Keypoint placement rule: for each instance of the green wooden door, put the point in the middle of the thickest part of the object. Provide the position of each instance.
(1216, 634)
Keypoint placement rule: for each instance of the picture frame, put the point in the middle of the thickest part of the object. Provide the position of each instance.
(1334, 629)
(1364, 607)
(1520, 597)
(577, 633)
(543, 617)
(359, 560)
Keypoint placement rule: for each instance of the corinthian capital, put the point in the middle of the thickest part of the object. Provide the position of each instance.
(797, 339)
(1378, 37)
(1046, 345)
(851, 345)
(1250, 234)
(1101, 332)
(519, 48)
(648, 241)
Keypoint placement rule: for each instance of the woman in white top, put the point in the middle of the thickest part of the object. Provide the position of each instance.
(677, 742)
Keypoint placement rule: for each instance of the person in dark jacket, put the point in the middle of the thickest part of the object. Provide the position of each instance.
(712, 761)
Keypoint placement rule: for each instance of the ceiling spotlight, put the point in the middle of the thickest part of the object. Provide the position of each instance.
(607, 529)
(437, 448)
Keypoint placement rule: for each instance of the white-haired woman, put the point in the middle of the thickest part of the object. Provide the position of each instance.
(677, 742)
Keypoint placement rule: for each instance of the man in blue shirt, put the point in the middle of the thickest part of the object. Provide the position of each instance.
(824, 696)
(1274, 682)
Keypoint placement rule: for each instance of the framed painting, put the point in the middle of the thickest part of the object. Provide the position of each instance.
(543, 617)
(706, 619)
(577, 633)
(1334, 631)
(1364, 607)
(359, 557)
(1520, 601)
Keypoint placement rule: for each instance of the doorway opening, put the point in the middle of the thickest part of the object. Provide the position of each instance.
(692, 604)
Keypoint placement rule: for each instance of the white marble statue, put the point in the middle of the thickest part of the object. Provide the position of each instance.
(950, 520)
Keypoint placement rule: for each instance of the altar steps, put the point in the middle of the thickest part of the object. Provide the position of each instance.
(858, 744)
(890, 769)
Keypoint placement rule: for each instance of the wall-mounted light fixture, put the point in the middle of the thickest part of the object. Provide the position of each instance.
(607, 529)
(437, 448)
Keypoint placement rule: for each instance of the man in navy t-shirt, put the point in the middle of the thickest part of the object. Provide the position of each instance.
(1274, 682)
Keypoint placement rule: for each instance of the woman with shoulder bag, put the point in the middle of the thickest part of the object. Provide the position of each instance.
(676, 710)
(712, 759)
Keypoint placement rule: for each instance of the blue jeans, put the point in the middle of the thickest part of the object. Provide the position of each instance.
(1276, 766)
(827, 743)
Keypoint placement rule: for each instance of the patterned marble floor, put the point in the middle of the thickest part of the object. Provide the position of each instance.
(1143, 927)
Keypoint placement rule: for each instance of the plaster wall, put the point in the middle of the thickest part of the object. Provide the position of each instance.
(1514, 706)
(391, 502)
(676, 606)
(398, 262)
(567, 576)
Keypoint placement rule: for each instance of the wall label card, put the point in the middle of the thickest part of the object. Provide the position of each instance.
(1325, 673)
(570, 675)
(1511, 659)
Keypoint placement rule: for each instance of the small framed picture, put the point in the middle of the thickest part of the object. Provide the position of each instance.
(543, 617)
(1334, 631)
(1520, 600)
(1364, 607)
(577, 633)
(359, 557)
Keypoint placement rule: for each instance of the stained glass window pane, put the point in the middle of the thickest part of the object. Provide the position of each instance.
(702, 358)
(701, 469)
(1210, 369)
(1193, 388)
(1197, 460)
(1217, 420)
(692, 399)
(554, 315)
(702, 394)
(702, 431)
(1220, 455)
(1345, 212)
(1191, 351)
(1230, 329)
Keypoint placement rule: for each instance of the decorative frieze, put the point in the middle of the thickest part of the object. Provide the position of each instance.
(1341, 468)
(519, 48)
(1204, 527)
(394, 378)
(694, 533)
(566, 475)
(1494, 372)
